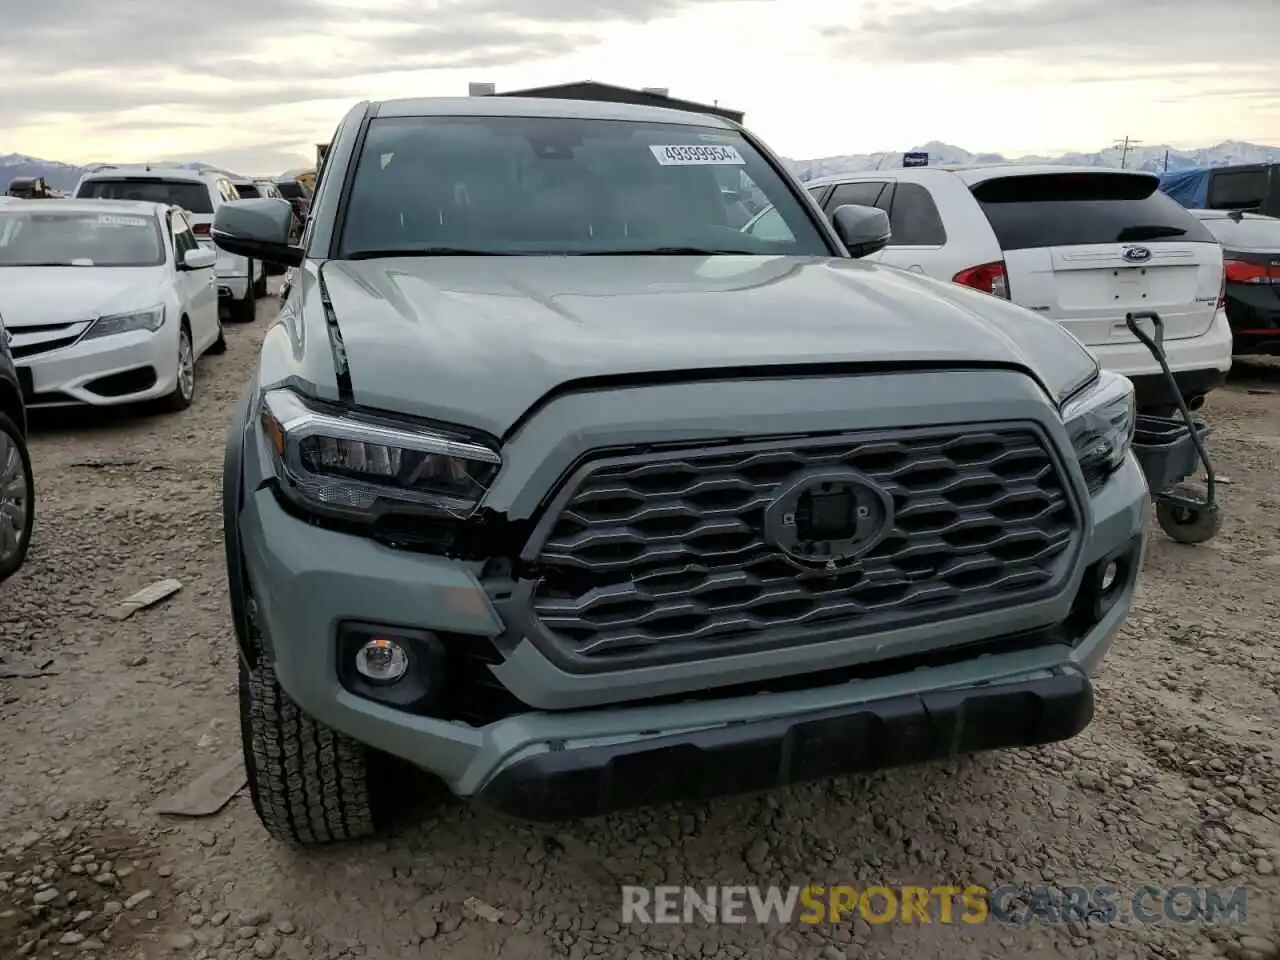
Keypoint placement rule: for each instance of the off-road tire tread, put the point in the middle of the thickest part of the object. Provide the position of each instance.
(310, 784)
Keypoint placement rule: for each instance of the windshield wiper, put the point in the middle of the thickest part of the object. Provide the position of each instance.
(43, 263)
(668, 251)
(425, 252)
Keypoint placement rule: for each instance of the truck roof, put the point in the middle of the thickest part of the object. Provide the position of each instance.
(540, 107)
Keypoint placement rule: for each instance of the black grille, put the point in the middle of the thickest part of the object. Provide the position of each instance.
(663, 553)
(34, 349)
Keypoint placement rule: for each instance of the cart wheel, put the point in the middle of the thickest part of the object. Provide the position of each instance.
(1198, 524)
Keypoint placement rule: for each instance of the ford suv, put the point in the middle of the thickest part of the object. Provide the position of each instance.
(1084, 246)
(555, 483)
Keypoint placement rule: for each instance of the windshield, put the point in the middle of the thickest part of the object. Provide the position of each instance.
(30, 239)
(551, 185)
(191, 195)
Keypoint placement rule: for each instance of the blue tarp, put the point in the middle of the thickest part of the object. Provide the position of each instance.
(1189, 187)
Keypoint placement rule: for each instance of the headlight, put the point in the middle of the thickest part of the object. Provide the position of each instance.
(359, 467)
(151, 320)
(1100, 423)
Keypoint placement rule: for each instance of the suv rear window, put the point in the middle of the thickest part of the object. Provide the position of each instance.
(291, 191)
(248, 191)
(1070, 209)
(189, 194)
(1237, 189)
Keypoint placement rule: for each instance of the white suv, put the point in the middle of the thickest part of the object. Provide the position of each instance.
(1081, 245)
(200, 193)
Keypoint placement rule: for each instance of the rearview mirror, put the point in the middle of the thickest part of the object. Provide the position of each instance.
(258, 229)
(863, 230)
(201, 259)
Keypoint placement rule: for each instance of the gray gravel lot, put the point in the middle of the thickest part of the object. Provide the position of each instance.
(1175, 783)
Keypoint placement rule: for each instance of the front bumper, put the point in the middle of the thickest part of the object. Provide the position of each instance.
(306, 580)
(125, 368)
(896, 731)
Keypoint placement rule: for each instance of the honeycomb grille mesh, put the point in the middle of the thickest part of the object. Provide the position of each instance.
(663, 552)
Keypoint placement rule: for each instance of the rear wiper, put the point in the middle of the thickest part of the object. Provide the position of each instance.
(667, 252)
(426, 252)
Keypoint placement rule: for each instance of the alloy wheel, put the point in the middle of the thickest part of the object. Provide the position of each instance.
(15, 499)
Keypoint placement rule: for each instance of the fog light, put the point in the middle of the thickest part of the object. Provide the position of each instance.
(1109, 574)
(382, 661)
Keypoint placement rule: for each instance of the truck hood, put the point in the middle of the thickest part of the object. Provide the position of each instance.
(31, 296)
(477, 341)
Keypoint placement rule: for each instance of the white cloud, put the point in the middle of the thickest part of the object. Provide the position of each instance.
(262, 83)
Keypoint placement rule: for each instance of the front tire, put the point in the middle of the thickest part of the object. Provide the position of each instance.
(17, 499)
(310, 785)
(184, 387)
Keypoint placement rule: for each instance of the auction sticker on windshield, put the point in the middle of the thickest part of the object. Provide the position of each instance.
(697, 154)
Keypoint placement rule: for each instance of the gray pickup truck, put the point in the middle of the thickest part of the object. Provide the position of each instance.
(555, 483)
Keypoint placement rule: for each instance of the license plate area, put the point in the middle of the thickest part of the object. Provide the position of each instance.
(1120, 330)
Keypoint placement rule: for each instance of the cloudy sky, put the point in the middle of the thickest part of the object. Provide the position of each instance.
(254, 84)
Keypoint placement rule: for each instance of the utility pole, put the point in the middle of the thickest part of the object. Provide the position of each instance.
(1124, 146)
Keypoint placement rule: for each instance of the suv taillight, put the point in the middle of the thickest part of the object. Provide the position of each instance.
(990, 278)
(200, 229)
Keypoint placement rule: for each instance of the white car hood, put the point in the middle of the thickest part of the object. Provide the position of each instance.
(32, 296)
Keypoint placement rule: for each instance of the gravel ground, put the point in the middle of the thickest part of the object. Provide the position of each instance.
(1174, 782)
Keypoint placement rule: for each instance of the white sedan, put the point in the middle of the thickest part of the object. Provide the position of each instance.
(106, 301)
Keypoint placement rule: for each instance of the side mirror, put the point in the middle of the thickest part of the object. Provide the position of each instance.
(201, 259)
(258, 229)
(863, 230)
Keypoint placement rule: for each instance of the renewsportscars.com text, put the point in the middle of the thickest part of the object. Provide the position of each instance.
(942, 904)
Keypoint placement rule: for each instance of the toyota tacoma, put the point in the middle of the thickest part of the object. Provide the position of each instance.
(555, 482)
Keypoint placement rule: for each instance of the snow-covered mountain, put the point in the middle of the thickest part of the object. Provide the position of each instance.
(63, 176)
(1151, 158)
(60, 176)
